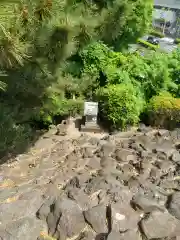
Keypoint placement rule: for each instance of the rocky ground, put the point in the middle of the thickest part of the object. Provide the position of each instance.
(124, 186)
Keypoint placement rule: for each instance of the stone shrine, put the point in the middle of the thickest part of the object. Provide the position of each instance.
(90, 117)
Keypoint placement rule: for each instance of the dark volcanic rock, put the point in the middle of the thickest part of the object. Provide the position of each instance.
(61, 129)
(174, 205)
(131, 234)
(163, 132)
(74, 155)
(160, 225)
(114, 236)
(101, 236)
(143, 143)
(123, 155)
(115, 187)
(65, 219)
(147, 204)
(73, 183)
(169, 184)
(86, 235)
(7, 193)
(175, 157)
(93, 164)
(127, 235)
(94, 184)
(123, 217)
(108, 162)
(120, 194)
(106, 149)
(165, 166)
(96, 217)
(175, 134)
(164, 146)
(44, 210)
(27, 205)
(81, 198)
(142, 128)
(25, 228)
(87, 152)
(93, 141)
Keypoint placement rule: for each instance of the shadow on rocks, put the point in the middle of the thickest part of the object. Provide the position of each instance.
(78, 122)
(101, 236)
(21, 141)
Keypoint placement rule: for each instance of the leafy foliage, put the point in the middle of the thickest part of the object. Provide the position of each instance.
(152, 73)
(177, 40)
(174, 67)
(62, 108)
(164, 111)
(157, 33)
(121, 104)
(147, 44)
(124, 21)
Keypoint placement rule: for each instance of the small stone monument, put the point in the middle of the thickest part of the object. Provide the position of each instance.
(90, 117)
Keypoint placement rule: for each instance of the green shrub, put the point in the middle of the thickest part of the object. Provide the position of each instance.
(157, 33)
(64, 108)
(147, 44)
(71, 107)
(164, 111)
(120, 104)
(177, 41)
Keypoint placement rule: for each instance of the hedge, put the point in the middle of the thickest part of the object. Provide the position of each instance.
(120, 105)
(164, 111)
(66, 107)
(147, 44)
(71, 107)
(157, 34)
(177, 41)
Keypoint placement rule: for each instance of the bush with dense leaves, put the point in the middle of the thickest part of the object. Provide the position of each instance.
(174, 69)
(64, 108)
(148, 44)
(157, 33)
(177, 41)
(120, 104)
(164, 111)
(152, 73)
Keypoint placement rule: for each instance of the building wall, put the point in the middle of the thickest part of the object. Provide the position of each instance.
(170, 11)
(169, 15)
(168, 3)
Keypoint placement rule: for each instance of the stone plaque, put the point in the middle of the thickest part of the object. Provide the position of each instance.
(90, 108)
(90, 118)
(91, 111)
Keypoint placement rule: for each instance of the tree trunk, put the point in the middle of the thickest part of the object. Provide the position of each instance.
(164, 27)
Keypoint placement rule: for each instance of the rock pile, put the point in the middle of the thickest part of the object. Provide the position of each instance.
(124, 186)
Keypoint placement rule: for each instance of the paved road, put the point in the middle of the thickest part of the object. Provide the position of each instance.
(165, 44)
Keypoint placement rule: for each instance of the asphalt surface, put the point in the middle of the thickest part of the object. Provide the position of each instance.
(165, 44)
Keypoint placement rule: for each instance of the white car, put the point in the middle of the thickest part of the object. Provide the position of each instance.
(167, 40)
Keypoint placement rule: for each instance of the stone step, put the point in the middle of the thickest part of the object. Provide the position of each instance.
(90, 127)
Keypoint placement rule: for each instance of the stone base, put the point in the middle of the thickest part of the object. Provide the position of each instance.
(90, 127)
